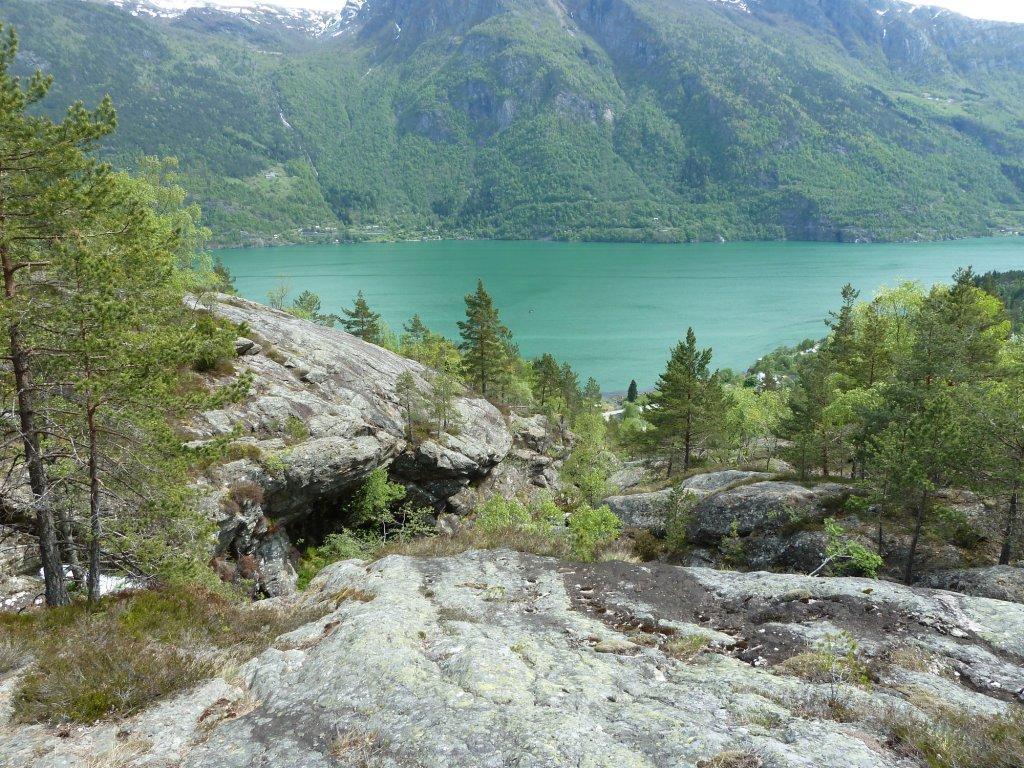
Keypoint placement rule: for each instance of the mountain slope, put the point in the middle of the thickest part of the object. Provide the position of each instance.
(632, 119)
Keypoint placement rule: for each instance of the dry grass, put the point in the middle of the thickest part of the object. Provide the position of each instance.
(686, 647)
(121, 755)
(732, 759)
(358, 749)
(947, 738)
(132, 649)
(472, 537)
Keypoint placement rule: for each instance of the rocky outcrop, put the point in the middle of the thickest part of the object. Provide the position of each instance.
(642, 510)
(650, 510)
(999, 582)
(320, 415)
(716, 481)
(499, 658)
(530, 468)
(763, 507)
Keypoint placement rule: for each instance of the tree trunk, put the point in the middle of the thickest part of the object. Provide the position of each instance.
(67, 537)
(1011, 525)
(49, 550)
(880, 544)
(95, 531)
(686, 451)
(669, 473)
(908, 573)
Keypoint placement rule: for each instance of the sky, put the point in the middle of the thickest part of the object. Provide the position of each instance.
(1002, 10)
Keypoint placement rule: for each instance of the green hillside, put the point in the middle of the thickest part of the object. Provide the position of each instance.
(597, 119)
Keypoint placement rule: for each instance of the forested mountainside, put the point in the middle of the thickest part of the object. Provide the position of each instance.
(599, 119)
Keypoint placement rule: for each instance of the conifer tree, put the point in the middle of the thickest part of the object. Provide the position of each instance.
(592, 392)
(546, 378)
(485, 341)
(49, 188)
(632, 393)
(363, 322)
(688, 406)
(416, 332)
(411, 400)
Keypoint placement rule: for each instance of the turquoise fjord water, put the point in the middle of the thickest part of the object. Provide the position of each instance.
(614, 310)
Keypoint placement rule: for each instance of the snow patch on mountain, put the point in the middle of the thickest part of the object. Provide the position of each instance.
(318, 18)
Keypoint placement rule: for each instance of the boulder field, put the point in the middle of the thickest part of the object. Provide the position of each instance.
(496, 658)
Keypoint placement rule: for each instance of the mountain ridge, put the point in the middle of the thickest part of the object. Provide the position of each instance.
(582, 119)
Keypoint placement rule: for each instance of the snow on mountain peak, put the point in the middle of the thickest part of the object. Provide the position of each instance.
(316, 17)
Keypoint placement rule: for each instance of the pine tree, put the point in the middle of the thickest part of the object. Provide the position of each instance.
(415, 333)
(307, 306)
(546, 378)
(994, 412)
(117, 319)
(411, 400)
(592, 392)
(485, 341)
(49, 188)
(688, 405)
(363, 322)
(632, 393)
(840, 343)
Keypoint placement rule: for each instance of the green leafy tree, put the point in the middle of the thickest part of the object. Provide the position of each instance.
(363, 322)
(687, 406)
(277, 295)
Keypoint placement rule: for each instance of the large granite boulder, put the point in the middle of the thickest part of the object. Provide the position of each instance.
(320, 415)
(759, 508)
(531, 468)
(642, 510)
(999, 582)
(650, 510)
(715, 481)
(498, 658)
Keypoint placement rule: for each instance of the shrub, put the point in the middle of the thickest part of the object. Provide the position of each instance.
(646, 546)
(98, 674)
(346, 545)
(295, 429)
(846, 555)
(591, 529)
(371, 504)
(678, 513)
(497, 514)
(952, 525)
(247, 493)
(734, 551)
(835, 662)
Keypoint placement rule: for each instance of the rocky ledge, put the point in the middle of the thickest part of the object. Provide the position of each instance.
(499, 658)
(321, 414)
